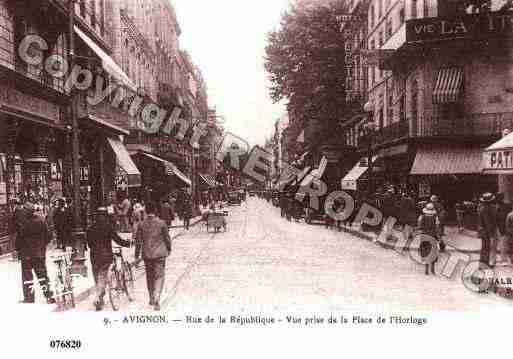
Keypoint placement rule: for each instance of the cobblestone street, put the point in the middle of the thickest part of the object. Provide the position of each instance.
(264, 262)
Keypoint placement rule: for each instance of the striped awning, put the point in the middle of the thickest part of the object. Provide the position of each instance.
(169, 167)
(445, 160)
(172, 170)
(449, 85)
(125, 163)
(208, 180)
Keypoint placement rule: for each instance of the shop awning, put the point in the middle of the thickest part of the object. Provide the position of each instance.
(103, 123)
(108, 63)
(171, 170)
(447, 160)
(208, 180)
(169, 167)
(350, 180)
(449, 84)
(498, 158)
(125, 162)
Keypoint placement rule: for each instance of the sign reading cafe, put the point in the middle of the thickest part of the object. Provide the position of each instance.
(472, 26)
(499, 160)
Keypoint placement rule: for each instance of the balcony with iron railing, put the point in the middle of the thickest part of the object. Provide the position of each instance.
(385, 135)
(440, 127)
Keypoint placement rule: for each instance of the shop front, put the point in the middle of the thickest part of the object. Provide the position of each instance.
(498, 161)
(32, 152)
(454, 173)
(159, 177)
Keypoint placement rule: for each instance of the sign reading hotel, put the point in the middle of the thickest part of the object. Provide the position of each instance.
(474, 26)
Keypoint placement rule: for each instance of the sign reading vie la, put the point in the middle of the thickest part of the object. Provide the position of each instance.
(484, 25)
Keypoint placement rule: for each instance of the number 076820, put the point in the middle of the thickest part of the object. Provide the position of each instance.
(65, 344)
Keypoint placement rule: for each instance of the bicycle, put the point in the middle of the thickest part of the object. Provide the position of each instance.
(63, 284)
(120, 279)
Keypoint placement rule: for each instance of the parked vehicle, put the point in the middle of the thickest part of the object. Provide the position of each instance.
(313, 215)
(216, 220)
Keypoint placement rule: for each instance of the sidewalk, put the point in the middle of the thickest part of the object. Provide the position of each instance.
(10, 275)
(466, 241)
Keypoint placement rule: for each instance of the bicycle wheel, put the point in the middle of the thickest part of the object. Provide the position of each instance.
(58, 292)
(114, 288)
(128, 280)
(69, 296)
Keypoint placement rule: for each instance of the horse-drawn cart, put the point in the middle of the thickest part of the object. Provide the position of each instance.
(216, 220)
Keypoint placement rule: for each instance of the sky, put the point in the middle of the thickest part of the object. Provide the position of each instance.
(226, 40)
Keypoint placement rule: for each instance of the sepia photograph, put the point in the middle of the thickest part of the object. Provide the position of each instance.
(256, 167)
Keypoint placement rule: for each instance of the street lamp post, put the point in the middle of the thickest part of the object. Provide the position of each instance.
(78, 235)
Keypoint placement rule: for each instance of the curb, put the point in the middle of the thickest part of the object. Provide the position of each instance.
(369, 238)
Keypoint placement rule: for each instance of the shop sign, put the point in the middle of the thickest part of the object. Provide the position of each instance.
(500, 161)
(493, 24)
(33, 105)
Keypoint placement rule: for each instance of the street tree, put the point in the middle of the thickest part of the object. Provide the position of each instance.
(305, 58)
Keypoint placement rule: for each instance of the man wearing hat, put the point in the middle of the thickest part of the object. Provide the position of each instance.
(429, 225)
(31, 243)
(442, 214)
(487, 218)
(99, 239)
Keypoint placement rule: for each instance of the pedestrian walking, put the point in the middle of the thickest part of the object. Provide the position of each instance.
(408, 214)
(61, 220)
(429, 225)
(166, 214)
(508, 230)
(442, 217)
(138, 215)
(460, 216)
(31, 244)
(123, 211)
(153, 245)
(99, 237)
(487, 218)
(186, 210)
(502, 211)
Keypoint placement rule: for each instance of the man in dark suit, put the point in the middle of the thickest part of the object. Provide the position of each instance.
(154, 245)
(31, 243)
(99, 239)
(61, 220)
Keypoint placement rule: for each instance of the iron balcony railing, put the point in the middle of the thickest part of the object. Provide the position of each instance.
(472, 125)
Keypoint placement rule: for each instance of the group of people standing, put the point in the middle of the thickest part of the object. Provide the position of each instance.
(128, 214)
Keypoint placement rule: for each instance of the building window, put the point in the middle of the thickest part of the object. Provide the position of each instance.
(371, 17)
(402, 113)
(413, 9)
(426, 9)
(6, 36)
(380, 39)
(390, 110)
(414, 100)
